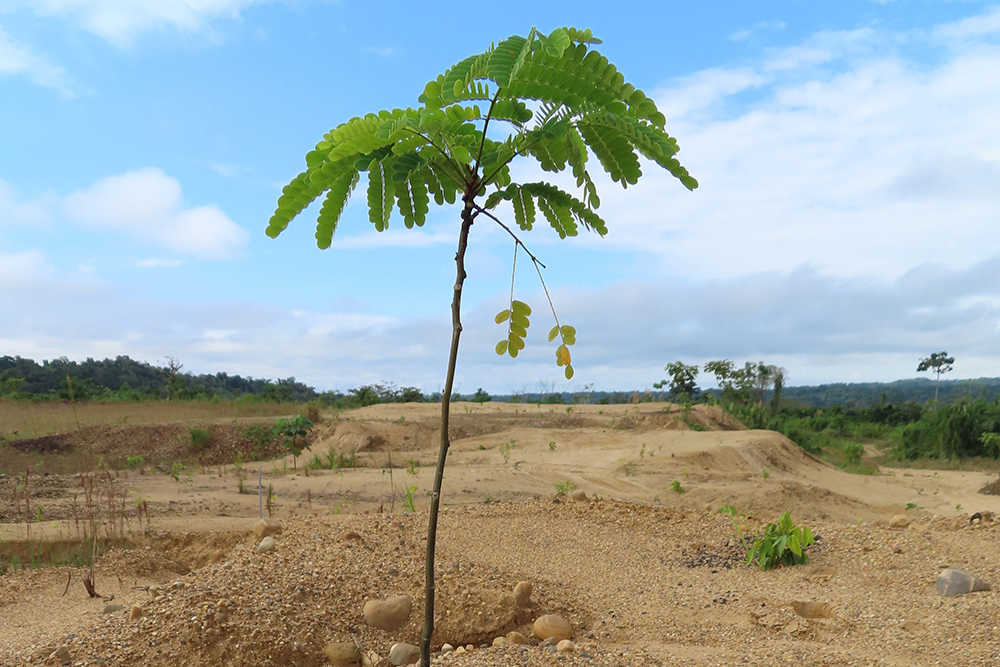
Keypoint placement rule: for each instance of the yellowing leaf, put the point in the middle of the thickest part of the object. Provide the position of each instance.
(502, 317)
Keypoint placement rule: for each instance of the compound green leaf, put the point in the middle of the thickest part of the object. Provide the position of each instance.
(380, 195)
(520, 308)
(333, 207)
(507, 58)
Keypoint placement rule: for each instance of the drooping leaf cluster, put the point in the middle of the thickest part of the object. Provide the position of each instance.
(549, 97)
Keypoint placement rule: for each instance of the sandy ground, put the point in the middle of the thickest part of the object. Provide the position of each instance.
(646, 574)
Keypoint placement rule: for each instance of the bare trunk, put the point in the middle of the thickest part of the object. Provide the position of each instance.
(456, 333)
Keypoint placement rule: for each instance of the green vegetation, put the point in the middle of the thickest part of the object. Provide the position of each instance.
(782, 544)
(676, 487)
(565, 488)
(201, 439)
(294, 430)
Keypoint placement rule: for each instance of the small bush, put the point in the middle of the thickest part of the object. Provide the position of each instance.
(782, 544)
(676, 486)
(201, 439)
(565, 488)
(134, 462)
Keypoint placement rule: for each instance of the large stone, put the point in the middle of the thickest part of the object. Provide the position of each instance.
(342, 654)
(267, 545)
(522, 593)
(404, 654)
(266, 528)
(952, 583)
(552, 625)
(899, 522)
(390, 614)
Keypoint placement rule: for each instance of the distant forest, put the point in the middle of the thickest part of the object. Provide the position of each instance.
(123, 378)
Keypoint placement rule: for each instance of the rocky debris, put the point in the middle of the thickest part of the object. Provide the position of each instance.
(342, 654)
(899, 522)
(390, 614)
(60, 655)
(135, 613)
(565, 646)
(447, 648)
(112, 608)
(267, 545)
(404, 654)
(522, 594)
(515, 638)
(267, 528)
(552, 625)
(952, 583)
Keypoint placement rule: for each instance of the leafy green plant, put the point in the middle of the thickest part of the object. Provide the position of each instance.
(505, 448)
(409, 506)
(201, 439)
(910, 506)
(764, 473)
(412, 466)
(552, 446)
(676, 487)
(782, 544)
(175, 470)
(735, 517)
(558, 101)
(293, 429)
(134, 462)
(270, 500)
(565, 488)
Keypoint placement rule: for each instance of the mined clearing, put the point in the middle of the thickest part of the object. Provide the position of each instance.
(646, 571)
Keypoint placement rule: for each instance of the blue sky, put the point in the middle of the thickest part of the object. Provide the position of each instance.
(845, 227)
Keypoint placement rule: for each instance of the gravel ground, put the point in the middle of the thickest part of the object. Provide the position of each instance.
(639, 585)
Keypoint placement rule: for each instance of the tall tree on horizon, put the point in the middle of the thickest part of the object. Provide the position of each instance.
(940, 363)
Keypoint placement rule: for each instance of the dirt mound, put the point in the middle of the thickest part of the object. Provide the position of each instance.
(991, 489)
(157, 443)
(355, 436)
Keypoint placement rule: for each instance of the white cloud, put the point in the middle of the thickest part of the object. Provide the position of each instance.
(148, 204)
(399, 238)
(23, 268)
(121, 21)
(868, 166)
(30, 213)
(156, 263)
(16, 59)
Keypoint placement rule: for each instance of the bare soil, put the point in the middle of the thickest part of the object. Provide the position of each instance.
(645, 570)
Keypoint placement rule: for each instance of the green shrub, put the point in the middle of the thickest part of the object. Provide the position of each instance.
(782, 544)
(565, 488)
(134, 462)
(676, 486)
(853, 452)
(201, 439)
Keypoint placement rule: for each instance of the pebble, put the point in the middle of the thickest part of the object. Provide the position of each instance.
(522, 593)
(460, 650)
(266, 528)
(953, 582)
(349, 535)
(390, 614)
(579, 495)
(565, 646)
(267, 545)
(447, 648)
(552, 625)
(342, 654)
(135, 612)
(404, 654)
(515, 638)
(899, 522)
(499, 641)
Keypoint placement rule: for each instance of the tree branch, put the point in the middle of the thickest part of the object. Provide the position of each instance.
(480, 209)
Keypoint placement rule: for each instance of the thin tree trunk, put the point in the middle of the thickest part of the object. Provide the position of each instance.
(456, 333)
